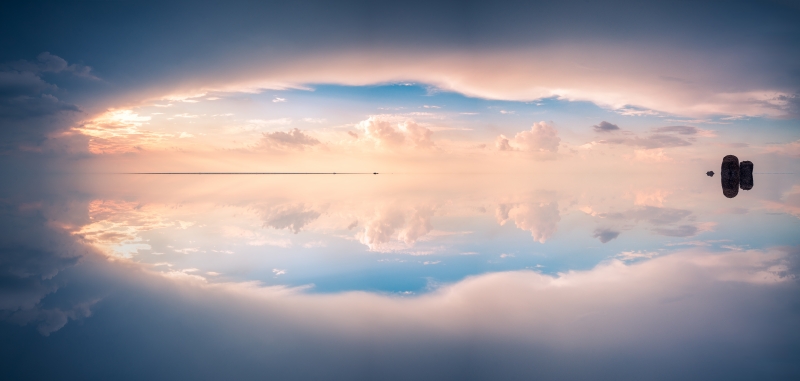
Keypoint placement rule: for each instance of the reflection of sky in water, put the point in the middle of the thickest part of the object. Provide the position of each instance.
(280, 266)
(394, 233)
(542, 208)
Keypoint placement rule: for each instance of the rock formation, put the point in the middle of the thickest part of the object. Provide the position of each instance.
(729, 174)
(746, 175)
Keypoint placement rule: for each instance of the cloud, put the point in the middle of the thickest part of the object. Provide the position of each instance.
(651, 214)
(388, 134)
(389, 224)
(662, 137)
(293, 217)
(50, 320)
(627, 307)
(33, 254)
(55, 64)
(116, 227)
(605, 235)
(789, 202)
(683, 130)
(678, 231)
(605, 127)
(541, 140)
(26, 83)
(120, 131)
(669, 222)
(541, 219)
(635, 255)
(791, 149)
(649, 142)
(293, 139)
(29, 113)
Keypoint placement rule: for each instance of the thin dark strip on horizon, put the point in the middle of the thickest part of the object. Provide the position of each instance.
(249, 173)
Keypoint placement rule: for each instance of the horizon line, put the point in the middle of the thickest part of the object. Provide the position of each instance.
(249, 173)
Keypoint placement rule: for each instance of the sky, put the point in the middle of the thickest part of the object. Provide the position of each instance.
(505, 190)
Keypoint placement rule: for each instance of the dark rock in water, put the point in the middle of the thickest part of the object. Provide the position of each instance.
(710, 173)
(746, 175)
(729, 174)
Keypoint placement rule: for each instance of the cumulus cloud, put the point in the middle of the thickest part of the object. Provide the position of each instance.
(29, 113)
(25, 83)
(293, 217)
(33, 253)
(50, 320)
(293, 139)
(541, 140)
(391, 225)
(388, 134)
(605, 127)
(55, 64)
(541, 219)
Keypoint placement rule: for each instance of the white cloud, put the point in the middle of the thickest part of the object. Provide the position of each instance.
(542, 140)
(390, 227)
(388, 134)
(541, 219)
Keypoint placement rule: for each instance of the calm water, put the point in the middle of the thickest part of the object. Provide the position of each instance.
(499, 274)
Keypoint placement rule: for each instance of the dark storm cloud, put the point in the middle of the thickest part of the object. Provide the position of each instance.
(605, 235)
(137, 45)
(605, 127)
(32, 257)
(29, 111)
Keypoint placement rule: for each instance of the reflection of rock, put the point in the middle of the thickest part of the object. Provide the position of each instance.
(729, 174)
(746, 175)
(710, 173)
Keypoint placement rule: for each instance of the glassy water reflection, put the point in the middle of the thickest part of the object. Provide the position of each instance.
(404, 233)
(502, 265)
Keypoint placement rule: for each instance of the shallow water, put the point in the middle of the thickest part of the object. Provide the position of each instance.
(530, 270)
